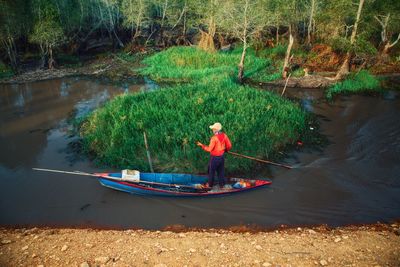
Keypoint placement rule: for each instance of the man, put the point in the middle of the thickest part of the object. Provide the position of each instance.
(219, 143)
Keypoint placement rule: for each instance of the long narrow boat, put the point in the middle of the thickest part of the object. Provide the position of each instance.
(178, 185)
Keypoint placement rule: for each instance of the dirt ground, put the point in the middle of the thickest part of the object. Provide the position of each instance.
(375, 245)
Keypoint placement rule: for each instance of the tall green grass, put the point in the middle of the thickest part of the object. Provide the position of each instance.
(259, 123)
(189, 64)
(356, 83)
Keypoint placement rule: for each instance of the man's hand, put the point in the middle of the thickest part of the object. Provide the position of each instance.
(199, 144)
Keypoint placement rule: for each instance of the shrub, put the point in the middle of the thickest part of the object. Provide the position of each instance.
(278, 51)
(356, 83)
(5, 71)
(68, 60)
(340, 44)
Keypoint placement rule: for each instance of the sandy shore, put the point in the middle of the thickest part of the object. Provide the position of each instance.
(376, 245)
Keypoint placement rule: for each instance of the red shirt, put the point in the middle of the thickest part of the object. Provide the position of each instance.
(219, 143)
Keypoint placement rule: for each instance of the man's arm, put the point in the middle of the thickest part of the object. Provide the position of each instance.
(228, 144)
(211, 146)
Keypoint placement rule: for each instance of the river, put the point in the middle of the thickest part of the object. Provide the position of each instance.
(354, 179)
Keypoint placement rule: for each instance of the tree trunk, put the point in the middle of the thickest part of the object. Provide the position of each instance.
(345, 68)
(277, 35)
(51, 59)
(12, 53)
(310, 22)
(241, 64)
(184, 26)
(388, 45)
(244, 39)
(42, 56)
(354, 32)
(162, 23)
(138, 23)
(285, 69)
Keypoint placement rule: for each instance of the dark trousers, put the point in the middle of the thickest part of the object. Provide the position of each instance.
(216, 164)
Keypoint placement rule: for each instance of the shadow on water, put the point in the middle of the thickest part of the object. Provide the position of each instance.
(354, 179)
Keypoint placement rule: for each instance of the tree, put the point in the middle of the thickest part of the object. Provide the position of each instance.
(345, 68)
(387, 16)
(13, 19)
(47, 30)
(311, 21)
(207, 13)
(333, 20)
(285, 68)
(236, 19)
(172, 14)
(134, 16)
(240, 19)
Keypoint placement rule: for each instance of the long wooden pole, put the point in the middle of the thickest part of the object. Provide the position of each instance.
(148, 152)
(261, 160)
(114, 178)
(284, 88)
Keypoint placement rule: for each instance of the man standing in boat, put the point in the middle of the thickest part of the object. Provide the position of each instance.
(219, 143)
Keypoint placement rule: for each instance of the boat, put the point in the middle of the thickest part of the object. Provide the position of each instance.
(176, 185)
(167, 184)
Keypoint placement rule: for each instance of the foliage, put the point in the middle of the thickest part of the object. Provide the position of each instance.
(278, 51)
(340, 44)
(299, 72)
(191, 64)
(47, 30)
(363, 47)
(69, 60)
(259, 123)
(129, 57)
(167, 22)
(5, 71)
(13, 18)
(134, 12)
(356, 83)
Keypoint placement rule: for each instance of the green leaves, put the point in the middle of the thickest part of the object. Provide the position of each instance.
(47, 32)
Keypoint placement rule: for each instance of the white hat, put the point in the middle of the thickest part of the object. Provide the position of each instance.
(216, 126)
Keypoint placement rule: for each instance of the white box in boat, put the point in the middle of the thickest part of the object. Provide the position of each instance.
(130, 175)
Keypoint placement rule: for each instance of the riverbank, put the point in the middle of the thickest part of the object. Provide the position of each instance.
(122, 66)
(116, 67)
(373, 245)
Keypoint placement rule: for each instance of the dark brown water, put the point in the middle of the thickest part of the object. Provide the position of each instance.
(355, 179)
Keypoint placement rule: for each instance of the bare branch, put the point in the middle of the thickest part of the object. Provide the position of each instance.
(395, 42)
(180, 16)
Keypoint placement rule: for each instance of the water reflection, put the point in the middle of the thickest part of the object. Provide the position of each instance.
(29, 111)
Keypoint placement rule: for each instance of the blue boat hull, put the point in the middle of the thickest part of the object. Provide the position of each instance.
(176, 185)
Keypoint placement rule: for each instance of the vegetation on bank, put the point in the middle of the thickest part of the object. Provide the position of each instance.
(366, 30)
(259, 123)
(190, 64)
(360, 82)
